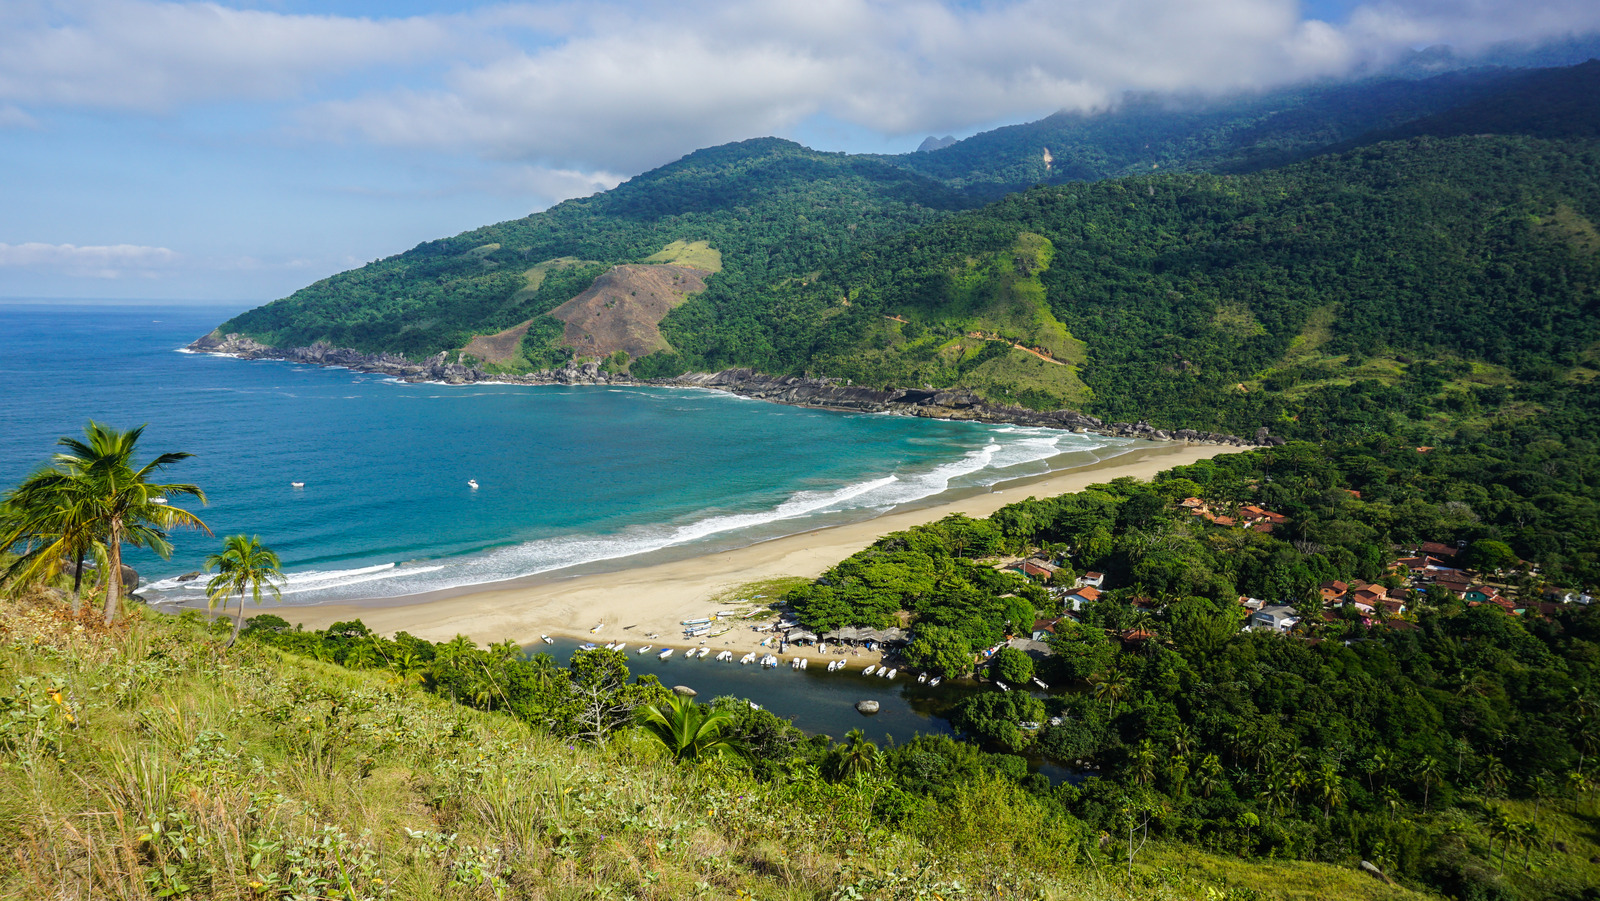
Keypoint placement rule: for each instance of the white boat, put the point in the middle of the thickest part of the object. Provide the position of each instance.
(921, 678)
(695, 622)
(935, 681)
(297, 484)
(727, 613)
(794, 663)
(664, 654)
(753, 705)
(725, 655)
(748, 658)
(547, 639)
(871, 668)
(1042, 686)
(804, 663)
(597, 627)
(472, 483)
(644, 649)
(611, 646)
(893, 672)
(620, 645)
(1003, 686)
(159, 500)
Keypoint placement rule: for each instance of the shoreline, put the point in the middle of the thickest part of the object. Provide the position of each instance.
(655, 598)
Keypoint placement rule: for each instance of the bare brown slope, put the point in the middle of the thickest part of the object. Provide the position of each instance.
(499, 348)
(622, 309)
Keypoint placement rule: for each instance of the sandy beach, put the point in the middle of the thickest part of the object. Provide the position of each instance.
(655, 599)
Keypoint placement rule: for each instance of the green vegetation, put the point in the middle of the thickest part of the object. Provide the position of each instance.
(91, 500)
(242, 568)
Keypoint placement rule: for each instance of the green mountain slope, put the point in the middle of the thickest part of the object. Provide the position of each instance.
(772, 208)
(776, 211)
(1150, 133)
(1393, 281)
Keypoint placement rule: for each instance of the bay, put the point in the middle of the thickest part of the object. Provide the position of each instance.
(567, 476)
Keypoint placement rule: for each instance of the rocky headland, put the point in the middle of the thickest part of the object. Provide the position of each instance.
(805, 391)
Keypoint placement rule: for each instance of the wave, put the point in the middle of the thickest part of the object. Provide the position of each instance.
(1007, 454)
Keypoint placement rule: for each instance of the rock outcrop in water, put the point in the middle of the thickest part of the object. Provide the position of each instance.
(804, 391)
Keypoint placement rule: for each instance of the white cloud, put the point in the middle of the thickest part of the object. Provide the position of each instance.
(95, 261)
(617, 87)
(153, 56)
(11, 117)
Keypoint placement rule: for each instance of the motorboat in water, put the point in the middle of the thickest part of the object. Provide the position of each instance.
(472, 483)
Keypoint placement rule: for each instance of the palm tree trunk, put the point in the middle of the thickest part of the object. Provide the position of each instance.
(77, 584)
(238, 622)
(114, 577)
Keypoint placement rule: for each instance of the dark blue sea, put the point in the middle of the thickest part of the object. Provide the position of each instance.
(567, 475)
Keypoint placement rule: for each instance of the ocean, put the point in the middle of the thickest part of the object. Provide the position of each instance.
(567, 476)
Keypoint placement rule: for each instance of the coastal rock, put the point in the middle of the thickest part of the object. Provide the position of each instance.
(684, 690)
(866, 708)
(803, 391)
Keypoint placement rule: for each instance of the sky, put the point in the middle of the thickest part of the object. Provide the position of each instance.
(238, 151)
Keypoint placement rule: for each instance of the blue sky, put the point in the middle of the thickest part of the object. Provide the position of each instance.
(237, 151)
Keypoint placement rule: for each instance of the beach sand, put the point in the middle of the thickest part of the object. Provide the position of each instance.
(655, 599)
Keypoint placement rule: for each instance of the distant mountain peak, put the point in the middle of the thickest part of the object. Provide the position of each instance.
(933, 143)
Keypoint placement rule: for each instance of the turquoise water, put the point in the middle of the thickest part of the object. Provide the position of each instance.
(567, 476)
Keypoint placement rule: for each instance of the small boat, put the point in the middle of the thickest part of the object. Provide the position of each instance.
(611, 646)
(473, 484)
(547, 639)
(725, 655)
(587, 646)
(644, 649)
(664, 654)
(795, 663)
(804, 663)
(620, 645)
(727, 613)
(159, 500)
(597, 627)
(1003, 686)
(1042, 686)
(696, 622)
(921, 678)
(753, 705)
(935, 681)
(893, 673)
(871, 668)
(297, 484)
(748, 658)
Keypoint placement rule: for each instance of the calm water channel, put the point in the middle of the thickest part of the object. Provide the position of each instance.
(815, 700)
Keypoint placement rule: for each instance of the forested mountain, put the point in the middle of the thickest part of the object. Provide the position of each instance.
(1442, 266)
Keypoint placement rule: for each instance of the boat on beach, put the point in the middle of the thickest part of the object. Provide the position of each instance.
(547, 639)
(871, 668)
(664, 654)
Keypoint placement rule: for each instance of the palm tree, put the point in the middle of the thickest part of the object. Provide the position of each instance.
(1330, 786)
(857, 756)
(1111, 686)
(689, 731)
(49, 522)
(93, 492)
(1428, 771)
(244, 566)
(1210, 776)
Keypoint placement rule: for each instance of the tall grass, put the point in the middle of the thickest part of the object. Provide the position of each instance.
(147, 761)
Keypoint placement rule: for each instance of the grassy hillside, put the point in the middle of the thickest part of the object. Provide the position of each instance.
(152, 762)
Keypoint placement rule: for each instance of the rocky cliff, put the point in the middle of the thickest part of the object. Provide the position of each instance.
(795, 390)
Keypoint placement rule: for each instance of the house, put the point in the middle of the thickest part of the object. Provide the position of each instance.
(1039, 568)
(1277, 618)
(1438, 549)
(1086, 595)
(1333, 591)
(1043, 629)
(1192, 503)
(1092, 579)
